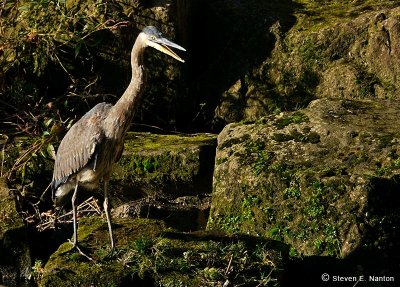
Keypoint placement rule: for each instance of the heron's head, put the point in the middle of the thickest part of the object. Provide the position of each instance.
(154, 38)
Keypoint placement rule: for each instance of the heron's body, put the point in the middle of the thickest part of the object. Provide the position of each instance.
(81, 163)
(94, 143)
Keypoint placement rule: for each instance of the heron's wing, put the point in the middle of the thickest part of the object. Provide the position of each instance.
(80, 143)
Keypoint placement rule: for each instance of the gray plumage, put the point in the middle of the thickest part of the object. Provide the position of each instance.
(90, 135)
(95, 142)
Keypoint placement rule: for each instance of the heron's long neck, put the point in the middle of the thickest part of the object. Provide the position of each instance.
(120, 116)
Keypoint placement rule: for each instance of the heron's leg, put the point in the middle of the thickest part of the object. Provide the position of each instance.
(75, 243)
(107, 211)
(74, 219)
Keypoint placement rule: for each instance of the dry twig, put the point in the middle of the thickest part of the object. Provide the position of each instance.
(49, 219)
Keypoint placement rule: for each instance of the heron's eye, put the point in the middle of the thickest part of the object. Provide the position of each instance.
(152, 37)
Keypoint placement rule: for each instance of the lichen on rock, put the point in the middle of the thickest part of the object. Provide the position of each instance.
(320, 185)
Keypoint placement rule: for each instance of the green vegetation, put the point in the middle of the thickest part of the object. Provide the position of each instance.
(315, 207)
(322, 13)
(234, 223)
(151, 159)
(385, 141)
(14, 244)
(257, 156)
(248, 203)
(139, 142)
(55, 57)
(305, 137)
(43, 40)
(295, 118)
(231, 223)
(9, 217)
(147, 252)
(292, 192)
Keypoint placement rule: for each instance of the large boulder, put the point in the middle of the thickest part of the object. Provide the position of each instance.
(324, 179)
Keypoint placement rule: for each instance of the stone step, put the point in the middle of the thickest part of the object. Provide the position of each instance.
(164, 166)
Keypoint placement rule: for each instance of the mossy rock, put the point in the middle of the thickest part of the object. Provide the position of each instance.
(171, 165)
(15, 260)
(149, 254)
(322, 186)
(343, 49)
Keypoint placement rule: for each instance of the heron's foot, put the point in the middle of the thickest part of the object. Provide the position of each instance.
(76, 247)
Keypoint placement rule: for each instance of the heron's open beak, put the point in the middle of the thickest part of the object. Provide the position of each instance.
(163, 45)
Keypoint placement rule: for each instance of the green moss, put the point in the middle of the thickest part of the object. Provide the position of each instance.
(385, 141)
(248, 203)
(155, 163)
(293, 252)
(292, 192)
(332, 241)
(15, 259)
(220, 160)
(323, 13)
(230, 142)
(298, 202)
(282, 137)
(150, 253)
(245, 216)
(329, 243)
(258, 158)
(270, 214)
(284, 170)
(9, 216)
(387, 169)
(318, 245)
(315, 207)
(306, 136)
(231, 223)
(296, 118)
(140, 142)
(313, 137)
(275, 232)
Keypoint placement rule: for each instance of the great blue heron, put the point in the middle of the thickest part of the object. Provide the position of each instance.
(94, 143)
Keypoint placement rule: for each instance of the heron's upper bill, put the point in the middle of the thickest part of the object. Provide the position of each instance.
(163, 45)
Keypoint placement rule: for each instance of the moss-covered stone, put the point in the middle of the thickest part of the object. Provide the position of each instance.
(165, 165)
(15, 260)
(341, 49)
(312, 184)
(149, 254)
